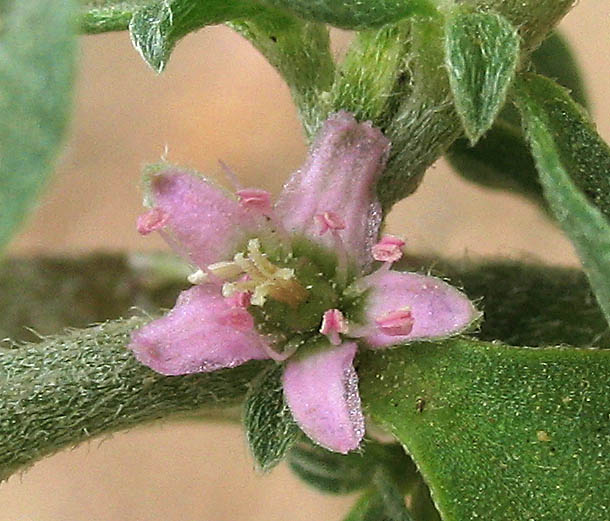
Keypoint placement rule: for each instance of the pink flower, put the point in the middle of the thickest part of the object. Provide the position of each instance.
(294, 282)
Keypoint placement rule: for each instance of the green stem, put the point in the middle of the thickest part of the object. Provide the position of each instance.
(71, 388)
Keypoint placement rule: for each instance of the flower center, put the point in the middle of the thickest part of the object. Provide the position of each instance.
(259, 276)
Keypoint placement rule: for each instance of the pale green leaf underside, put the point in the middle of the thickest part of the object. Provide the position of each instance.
(574, 167)
(482, 50)
(502, 159)
(505, 433)
(37, 53)
(156, 28)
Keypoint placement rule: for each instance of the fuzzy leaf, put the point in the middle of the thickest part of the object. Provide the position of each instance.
(502, 159)
(574, 166)
(482, 50)
(37, 54)
(100, 16)
(335, 473)
(270, 428)
(156, 28)
(355, 14)
(73, 387)
(505, 433)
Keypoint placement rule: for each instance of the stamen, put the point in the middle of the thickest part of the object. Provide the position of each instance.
(226, 269)
(239, 299)
(263, 278)
(330, 221)
(396, 323)
(388, 249)
(198, 277)
(237, 318)
(255, 199)
(333, 323)
(151, 221)
(279, 357)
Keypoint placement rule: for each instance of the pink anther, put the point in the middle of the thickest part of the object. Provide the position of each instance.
(239, 299)
(388, 249)
(333, 323)
(237, 318)
(329, 221)
(255, 199)
(152, 220)
(396, 323)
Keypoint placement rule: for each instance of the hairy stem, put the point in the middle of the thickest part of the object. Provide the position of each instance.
(71, 388)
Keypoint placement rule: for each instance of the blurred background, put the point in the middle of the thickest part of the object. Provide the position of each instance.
(218, 99)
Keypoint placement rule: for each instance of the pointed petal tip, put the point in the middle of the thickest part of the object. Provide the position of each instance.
(321, 390)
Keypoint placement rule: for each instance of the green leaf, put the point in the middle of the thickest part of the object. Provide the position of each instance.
(156, 28)
(73, 387)
(100, 16)
(37, 53)
(506, 433)
(482, 51)
(355, 14)
(270, 427)
(502, 159)
(574, 167)
(335, 473)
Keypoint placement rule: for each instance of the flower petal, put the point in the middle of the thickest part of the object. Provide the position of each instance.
(339, 178)
(202, 333)
(321, 390)
(437, 309)
(202, 222)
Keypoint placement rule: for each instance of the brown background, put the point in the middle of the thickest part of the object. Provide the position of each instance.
(218, 99)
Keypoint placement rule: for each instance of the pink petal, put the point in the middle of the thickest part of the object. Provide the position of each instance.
(202, 333)
(437, 309)
(202, 222)
(339, 178)
(321, 390)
